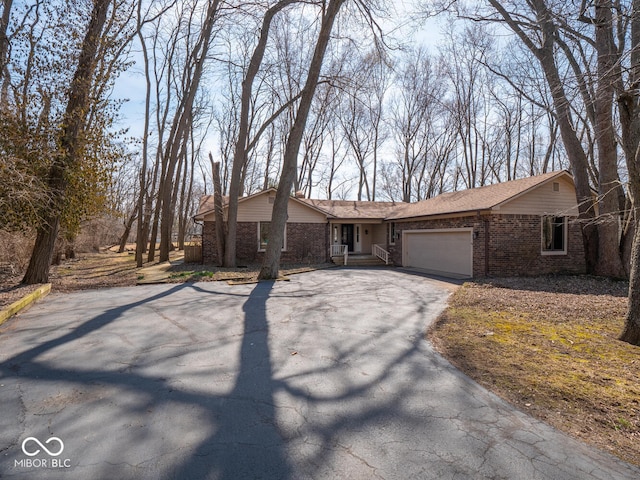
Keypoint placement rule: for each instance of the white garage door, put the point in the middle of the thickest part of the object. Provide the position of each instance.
(447, 252)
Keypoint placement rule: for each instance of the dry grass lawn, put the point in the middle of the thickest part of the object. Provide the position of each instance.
(111, 269)
(549, 345)
(87, 271)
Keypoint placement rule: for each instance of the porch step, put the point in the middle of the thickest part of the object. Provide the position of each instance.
(359, 261)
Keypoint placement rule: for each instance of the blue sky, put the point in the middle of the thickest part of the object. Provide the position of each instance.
(131, 86)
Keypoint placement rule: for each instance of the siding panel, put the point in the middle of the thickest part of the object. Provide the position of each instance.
(544, 200)
(259, 209)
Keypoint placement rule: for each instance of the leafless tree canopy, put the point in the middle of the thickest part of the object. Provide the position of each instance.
(512, 88)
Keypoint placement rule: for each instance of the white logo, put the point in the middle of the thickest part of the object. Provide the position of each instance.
(38, 442)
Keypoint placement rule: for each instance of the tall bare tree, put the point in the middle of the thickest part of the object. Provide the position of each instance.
(271, 264)
(314, 140)
(143, 204)
(609, 79)
(415, 109)
(361, 113)
(629, 102)
(243, 138)
(539, 33)
(551, 32)
(181, 125)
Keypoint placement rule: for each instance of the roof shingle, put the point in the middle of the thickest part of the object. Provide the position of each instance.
(481, 198)
(353, 209)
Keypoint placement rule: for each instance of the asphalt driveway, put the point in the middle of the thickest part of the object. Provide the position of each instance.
(327, 376)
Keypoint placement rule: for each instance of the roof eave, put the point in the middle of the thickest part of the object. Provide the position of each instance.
(310, 205)
(435, 216)
(359, 219)
(269, 190)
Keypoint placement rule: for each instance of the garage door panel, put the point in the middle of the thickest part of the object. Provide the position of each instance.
(449, 252)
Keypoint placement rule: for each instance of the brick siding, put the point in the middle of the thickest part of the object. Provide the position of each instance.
(306, 243)
(209, 248)
(513, 247)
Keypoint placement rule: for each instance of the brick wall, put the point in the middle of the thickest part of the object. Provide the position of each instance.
(306, 243)
(515, 248)
(506, 245)
(246, 242)
(209, 249)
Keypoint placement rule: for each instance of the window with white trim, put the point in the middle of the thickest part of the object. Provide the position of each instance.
(392, 233)
(554, 235)
(263, 236)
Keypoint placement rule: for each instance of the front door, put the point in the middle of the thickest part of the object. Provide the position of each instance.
(357, 243)
(347, 235)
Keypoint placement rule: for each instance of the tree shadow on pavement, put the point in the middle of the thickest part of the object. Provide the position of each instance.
(246, 442)
(331, 391)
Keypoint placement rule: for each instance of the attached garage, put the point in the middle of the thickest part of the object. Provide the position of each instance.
(447, 252)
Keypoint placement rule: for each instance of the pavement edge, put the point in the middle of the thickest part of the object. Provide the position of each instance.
(24, 302)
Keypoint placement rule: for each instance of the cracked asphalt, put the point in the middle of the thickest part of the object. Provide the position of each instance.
(327, 376)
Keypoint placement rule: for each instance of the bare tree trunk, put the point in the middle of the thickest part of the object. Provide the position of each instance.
(219, 213)
(242, 142)
(186, 194)
(609, 256)
(153, 237)
(127, 230)
(268, 159)
(182, 164)
(70, 151)
(631, 332)
(572, 144)
(271, 265)
(4, 41)
(629, 102)
(182, 123)
(143, 222)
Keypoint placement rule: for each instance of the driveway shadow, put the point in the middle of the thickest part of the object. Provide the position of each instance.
(247, 442)
(359, 396)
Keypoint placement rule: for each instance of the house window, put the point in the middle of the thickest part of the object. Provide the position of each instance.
(392, 233)
(263, 236)
(335, 234)
(554, 235)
